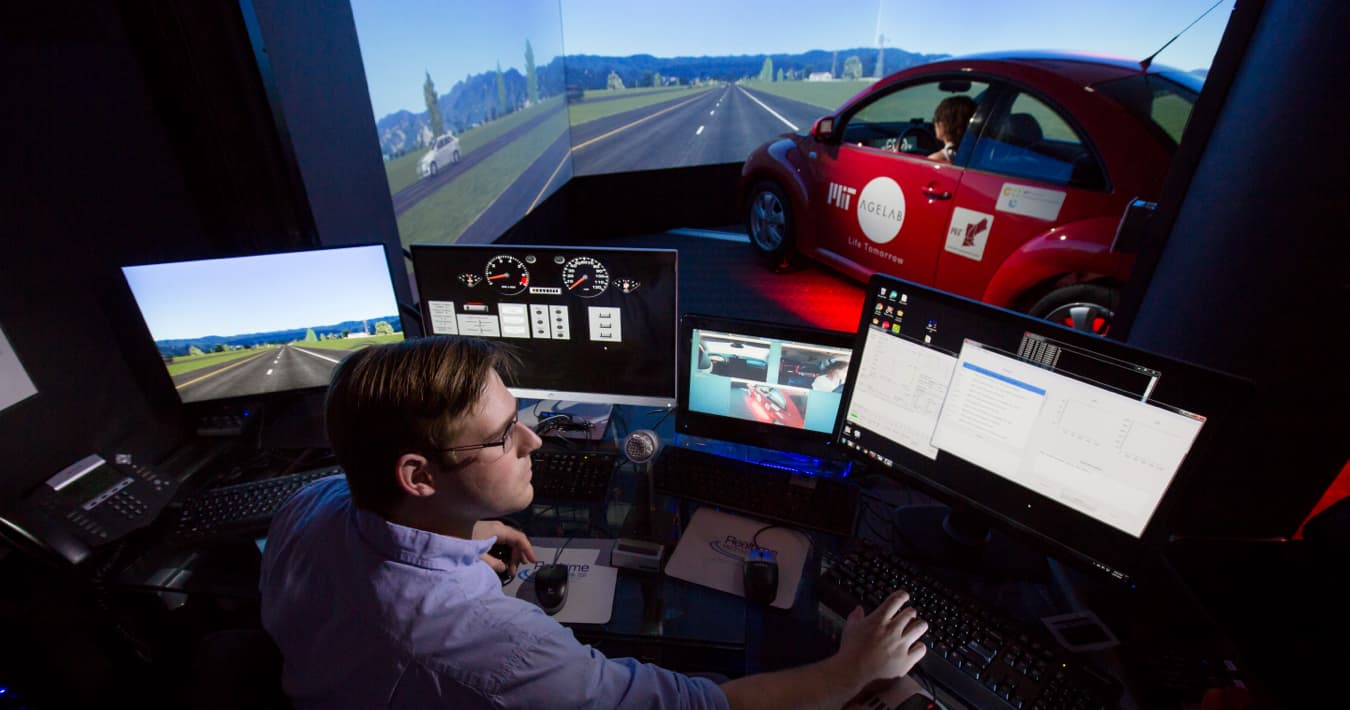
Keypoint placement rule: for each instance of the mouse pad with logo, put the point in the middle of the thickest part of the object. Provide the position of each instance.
(713, 548)
(590, 586)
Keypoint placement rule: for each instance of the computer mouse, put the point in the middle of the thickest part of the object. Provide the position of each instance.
(550, 587)
(760, 573)
(502, 551)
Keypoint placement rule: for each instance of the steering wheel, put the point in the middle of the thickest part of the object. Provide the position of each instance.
(919, 140)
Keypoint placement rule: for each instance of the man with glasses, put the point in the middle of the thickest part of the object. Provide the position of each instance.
(378, 590)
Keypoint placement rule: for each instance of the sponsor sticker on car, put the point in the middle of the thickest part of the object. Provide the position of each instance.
(969, 232)
(1031, 201)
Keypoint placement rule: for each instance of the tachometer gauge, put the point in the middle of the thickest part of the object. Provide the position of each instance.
(507, 274)
(470, 280)
(585, 277)
(627, 285)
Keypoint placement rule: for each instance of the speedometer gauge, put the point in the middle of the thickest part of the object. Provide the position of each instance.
(507, 274)
(585, 277)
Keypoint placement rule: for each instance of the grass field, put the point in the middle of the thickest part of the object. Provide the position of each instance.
(188, 363)
(446, 213)
(828, 95)
(402, 171)
(350, 343)
(584, 111)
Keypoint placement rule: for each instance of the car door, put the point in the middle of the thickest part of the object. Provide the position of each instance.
(1030, 169)
(881, 202)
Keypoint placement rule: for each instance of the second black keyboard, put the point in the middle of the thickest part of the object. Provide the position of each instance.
(764, 491)
(241, 509)
(981, 655)
(572, 476)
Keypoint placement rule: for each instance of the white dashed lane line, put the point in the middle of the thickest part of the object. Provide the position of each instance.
(699, 132)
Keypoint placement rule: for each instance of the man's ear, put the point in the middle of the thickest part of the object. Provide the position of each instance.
(415, 475)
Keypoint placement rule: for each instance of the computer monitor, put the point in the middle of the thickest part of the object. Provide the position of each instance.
(590, 324)
(1081, 442)
(762, 384)
(247, 326)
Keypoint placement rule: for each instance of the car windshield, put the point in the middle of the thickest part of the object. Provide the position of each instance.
(1156, 100)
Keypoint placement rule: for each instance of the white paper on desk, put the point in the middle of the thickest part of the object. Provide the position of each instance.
(15, 385)
(712, 550)
(590, 587)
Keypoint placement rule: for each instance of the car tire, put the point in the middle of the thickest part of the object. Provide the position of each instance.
(455, 157)
(434, 169)
(770, 224)
(1085, 307)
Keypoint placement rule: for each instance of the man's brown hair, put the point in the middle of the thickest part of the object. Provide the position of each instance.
(408, 397)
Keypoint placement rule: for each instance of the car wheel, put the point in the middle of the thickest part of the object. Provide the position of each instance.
(455, 157)
(1086, 307)
(435, 169)
(769, 222)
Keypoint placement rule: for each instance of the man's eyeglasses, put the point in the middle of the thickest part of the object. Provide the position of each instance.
(502, 442)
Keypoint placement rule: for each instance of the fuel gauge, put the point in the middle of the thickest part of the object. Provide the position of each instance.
(470, 280)
(628, 285)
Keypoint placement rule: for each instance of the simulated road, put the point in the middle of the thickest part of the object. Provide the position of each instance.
(272, 370)
(718, 125)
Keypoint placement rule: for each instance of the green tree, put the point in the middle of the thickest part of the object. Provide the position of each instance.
(433, 107)
(613, 81)
(531, 80)
(383, 328)
(766, 72)
(779, 77)
(501, 91)
(309, 336)
(853, 68)
(656, 79)
(220, 348)
(346, 332)
(194, 350)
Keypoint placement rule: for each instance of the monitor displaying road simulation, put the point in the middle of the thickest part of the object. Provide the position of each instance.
(255, 325)
(1074, 438)
(590, 324)
(762, 384)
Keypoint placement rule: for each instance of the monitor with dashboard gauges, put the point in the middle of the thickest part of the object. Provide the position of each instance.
(590, 324)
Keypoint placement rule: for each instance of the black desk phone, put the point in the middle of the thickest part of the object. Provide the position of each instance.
(88, 504)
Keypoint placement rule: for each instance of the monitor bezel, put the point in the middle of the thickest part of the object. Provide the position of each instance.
(767, 436)
(662, 401)
(1052, 526)
(244, 403)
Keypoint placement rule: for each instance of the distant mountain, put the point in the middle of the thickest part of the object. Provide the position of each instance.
(207, 343)
(474, 99)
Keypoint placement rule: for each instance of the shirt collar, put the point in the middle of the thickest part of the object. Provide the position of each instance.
(418, 547)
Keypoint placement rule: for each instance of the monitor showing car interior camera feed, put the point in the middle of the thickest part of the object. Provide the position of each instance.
(763, 384)
(1081, 441)
(256, 325)
(590, 324)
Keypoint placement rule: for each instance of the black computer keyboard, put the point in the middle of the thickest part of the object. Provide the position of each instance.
(572, 476)
(764, 491)
(239, 510)
(978, 654)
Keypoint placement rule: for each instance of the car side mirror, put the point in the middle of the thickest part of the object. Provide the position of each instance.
(823, 129)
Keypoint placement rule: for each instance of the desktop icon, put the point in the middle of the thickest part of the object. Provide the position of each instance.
(893, 297)
(895, 328)
(927, 339)
(878, 308)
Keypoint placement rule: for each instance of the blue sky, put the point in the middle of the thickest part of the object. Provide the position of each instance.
(257, 294)
(400, 40)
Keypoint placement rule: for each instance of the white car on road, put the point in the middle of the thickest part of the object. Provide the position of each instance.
(444, 151)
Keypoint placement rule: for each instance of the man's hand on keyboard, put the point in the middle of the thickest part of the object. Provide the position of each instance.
(884, 644)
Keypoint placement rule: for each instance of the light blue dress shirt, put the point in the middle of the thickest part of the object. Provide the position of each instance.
(368, 613)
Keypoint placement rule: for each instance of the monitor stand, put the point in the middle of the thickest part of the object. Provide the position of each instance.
(962, 539)
(586, 421)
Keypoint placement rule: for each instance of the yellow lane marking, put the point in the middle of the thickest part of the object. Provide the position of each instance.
(217, 372)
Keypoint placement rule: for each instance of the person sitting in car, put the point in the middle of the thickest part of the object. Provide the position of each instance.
(949, 123)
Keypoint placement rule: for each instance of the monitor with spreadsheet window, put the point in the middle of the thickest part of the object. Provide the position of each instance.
(590, 324)
(247, 326)
(1080, 441)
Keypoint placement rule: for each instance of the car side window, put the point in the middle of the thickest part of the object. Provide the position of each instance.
(901, 121)
(1032, 140)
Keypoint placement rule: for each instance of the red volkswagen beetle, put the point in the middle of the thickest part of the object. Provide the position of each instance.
(1015, 201)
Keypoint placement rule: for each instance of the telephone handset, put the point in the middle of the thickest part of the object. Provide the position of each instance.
(90, 503)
